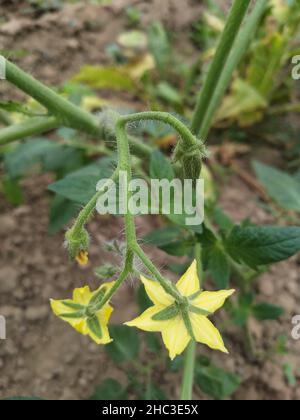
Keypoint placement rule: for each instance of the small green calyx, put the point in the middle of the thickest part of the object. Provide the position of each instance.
(77, 242)
(190, 156)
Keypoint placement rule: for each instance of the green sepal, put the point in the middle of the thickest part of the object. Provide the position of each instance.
(188, 324)
(72, 305)
(199, 311)
(94, 325)
(78, 314)
(98, 296)
(195, 295)
(166, 314)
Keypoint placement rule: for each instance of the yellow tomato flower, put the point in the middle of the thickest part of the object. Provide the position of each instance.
(82, 258)
(168, 317)
(80, 312)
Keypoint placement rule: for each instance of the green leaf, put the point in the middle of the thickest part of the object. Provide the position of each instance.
(126, 344)
(289, 374)
(105, 77)
(154, 393)
(170, 240)
(153, 342)
(142, 299)
(110, 389)
(61, 212)
(12, 190)
(280, 186)
(168, 93)
(80, 186)
(160, 167)
(216, 382)
(219, 267)
(267, 311)
(26, 155)
(17, 107)
(159, 45)
(215, 258)
(261, 245)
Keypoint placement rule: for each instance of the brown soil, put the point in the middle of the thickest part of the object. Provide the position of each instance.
(41, 355)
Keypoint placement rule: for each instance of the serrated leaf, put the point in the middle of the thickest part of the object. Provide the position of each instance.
(280, 186)
(160, 167)
(110, 389)
(24, 156)
(170, 240)
(61, 212)
(262, 245)
(80, 186)
(154, 393)
(219, 267)
(267, 311)
(125, 346)
(216, 382)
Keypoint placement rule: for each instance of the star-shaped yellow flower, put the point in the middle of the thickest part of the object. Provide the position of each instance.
(80, 312)
(167, 316)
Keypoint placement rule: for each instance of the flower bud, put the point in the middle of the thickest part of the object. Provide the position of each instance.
(77, 244)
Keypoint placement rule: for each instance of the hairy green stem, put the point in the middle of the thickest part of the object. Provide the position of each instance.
(30, 127)
(239, 49)
(67, 114)
(167, 119)
(228, 37)
(118, 283)
(88, 210)
(167, 285)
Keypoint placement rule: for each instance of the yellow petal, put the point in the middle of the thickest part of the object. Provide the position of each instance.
(80, 326)
(206, 333)
(189, 282)
(82, 295)
(156, 293)
(103, 318)
(59, 308)
(212, 301)
(145, 322)
(175, 337)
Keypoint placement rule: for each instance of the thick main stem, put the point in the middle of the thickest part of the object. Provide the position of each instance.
(66, 113)
(31, 127)
(228, 37)
(239, 49)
